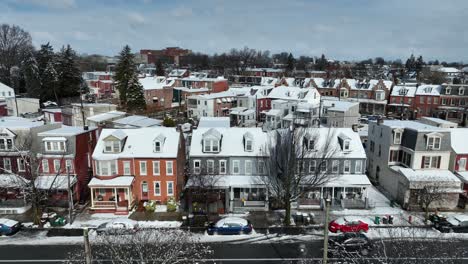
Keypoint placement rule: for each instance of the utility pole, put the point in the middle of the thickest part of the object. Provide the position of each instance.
(82, 110)
(70, 197)
(325, 231)
(87, 246)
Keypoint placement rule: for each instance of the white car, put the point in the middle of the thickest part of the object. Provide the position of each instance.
(118, 226)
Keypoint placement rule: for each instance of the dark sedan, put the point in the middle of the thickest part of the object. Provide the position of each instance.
(349, 243)
(230, 226)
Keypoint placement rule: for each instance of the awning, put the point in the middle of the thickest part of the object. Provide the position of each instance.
(218, 101)
(120, 181)
(54, 182)
(13, 181)
(223, 100)
(463, 175)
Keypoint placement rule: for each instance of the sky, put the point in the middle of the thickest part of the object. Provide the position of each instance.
(340, 29)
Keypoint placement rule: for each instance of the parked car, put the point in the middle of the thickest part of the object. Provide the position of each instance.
(118, 226)
(230, 226)
(348, 224)
(9, 227)
(349, 243)
(453, 223)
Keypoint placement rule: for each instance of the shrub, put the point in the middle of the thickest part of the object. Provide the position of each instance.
(171, 205)
(150, 206)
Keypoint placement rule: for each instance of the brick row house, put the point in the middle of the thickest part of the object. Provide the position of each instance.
(459, 160)
(453, 103)
(66, 151)
(100, 83)
(135, 165)
(158, 91)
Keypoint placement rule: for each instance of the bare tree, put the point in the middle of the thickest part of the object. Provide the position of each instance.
(428, 196)
(288, 152)
(145, 246)
(203, 185)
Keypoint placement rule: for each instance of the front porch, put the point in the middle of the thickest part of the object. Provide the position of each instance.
(112, 195)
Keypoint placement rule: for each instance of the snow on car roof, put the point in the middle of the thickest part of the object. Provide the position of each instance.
(236, 220)
(8, 222)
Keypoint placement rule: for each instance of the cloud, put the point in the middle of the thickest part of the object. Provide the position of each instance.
(52, 4)
(136, 18)
(182, 11)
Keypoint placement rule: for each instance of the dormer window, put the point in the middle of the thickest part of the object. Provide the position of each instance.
(345, 142)
(448, 90)
(310, 144)
(112, 146)
(379, 95)
(461, 91)
(157, 146)
(6, 143)
(397, 137)
(346, 145)
(211, 145)
(159, 142)
(55, 144)
(248, 142)
(433, 142)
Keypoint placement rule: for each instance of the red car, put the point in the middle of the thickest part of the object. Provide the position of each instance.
(348, 224)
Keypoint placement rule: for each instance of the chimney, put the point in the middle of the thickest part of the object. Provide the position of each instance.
(85, 128)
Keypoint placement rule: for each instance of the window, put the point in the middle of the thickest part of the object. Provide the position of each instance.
(448, 90)
(157, 146)
(310, 144)
(6, 164)
(143, 170)
(55, 146)
(312, 166)
(248, 167)
(429, 162)
(235, 167)
(112, 146)
(222, 167)
(433, 143)
(436, 100)
(211, 145)
(346, 145)
(156, 168)
(421, 100)
(196, 166)
(56, 166)
(394, 156)
(261, 167)
(323, 165)
(170, 188)
(429, 100)
(462, 164)
(210, 166)
(69, 165)
(169, 167)
(372, 146)
(126, 167)
(106, 168)
(45, 165)
(6, 144)
(144, 188)
(335, 166)
(248, 145)
(358, 166)
(461, 91)
(380, 150)
(157, 188)
(397, 138)
(443, 101)
(347, 166)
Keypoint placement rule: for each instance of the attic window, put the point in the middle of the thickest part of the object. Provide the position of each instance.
(157, 146)
(112, 146)
(397, 137)
(433, 142)
(310, 144)
(210, 145)
(403, 91)
(158, 142)
(461, 91)
(248, 142)
(346, 145)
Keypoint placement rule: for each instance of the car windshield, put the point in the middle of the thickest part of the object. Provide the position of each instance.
(340, 221)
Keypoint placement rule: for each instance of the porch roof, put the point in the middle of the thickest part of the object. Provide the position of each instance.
(59, 182)
(463, 175)
(13, 181)
(226, 181)
(348, 180)
(121, 181)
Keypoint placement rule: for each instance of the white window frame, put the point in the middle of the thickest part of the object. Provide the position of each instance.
(140, 163)
(460, 163)
(210, 169)
(9, 164)
(55, 146)
(435, 142)
(335, 166)
(358, 166)
(346, 145)
(57, 166)
(461, 91)
(69, 163)
(323, 164)
(197, 169)
(395, 141)
(45, 169)
(171, 193)
(156, 167)
(249, 142)
(4, 144)
(127, 167)
(261, 167)
(155, 189)
(213, 144)
(169, 168)
(347, 166)
(314, 163)
(157, 146)
(111, 147)
(448, 90)
(221, 166)
(248, 167)
(234, 163)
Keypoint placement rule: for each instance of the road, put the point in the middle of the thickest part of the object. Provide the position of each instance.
(427, 252)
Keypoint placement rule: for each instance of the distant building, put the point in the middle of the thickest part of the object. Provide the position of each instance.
(170, 55)
(22, 106)
(101, 120)
(72, 114)
(136, 121)
(52, 115)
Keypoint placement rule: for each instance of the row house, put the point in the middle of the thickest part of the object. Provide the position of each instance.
(401, 101)
(158, 91)
(453, 102)
(426, 100)
(232, 162)
(459, 156)
(75, 114)
(291, 105)
(337, 113)
(64, 154)
(52, 115)
(100, 83)
(249, 104)
(132, 166)
(213, 104)
(404, 157)
(196, 84)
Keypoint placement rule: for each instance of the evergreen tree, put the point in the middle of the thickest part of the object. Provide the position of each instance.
(321, 63)
(411, 63)
(160, 69)
(69, 74)
(125, 72)
(45, 58)
(290, 62)
(135, 97)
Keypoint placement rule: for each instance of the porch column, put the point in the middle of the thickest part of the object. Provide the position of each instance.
(129, 198)
(344, 192)
(92, 196)
(115, 197)
(266, 199)
(231, 199)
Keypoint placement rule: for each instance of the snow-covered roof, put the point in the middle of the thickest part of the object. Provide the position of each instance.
(229, 181)
(427, 175)
(106, 116)
(214, 122)
(426, 89)
(12, 181)
(156, 82)
(398, 90)
(309, 95)
(52, 110)
(6, 91)
(449, 70)
(348, 180)
(463, 175)
(229, 93)
(418, 126)
(137, 121)
(339, 106)
(138, 143)
(327, 83)
(269, 81)
(65, 131)
(18, 123)
(366, 84)
(53, 182)
(177, 72)
(457, 137)
(121, 181)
